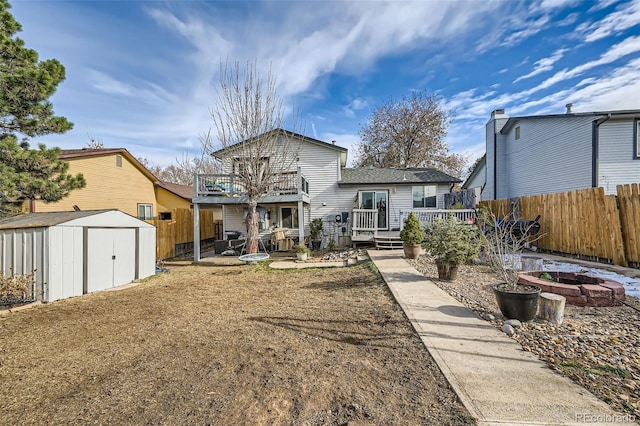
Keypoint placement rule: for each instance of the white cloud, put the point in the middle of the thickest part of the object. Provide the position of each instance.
(556, 4)
(616, 52)
(308, 46)
(627, 16)
(358, 104)
(602, 4)
(544, 64)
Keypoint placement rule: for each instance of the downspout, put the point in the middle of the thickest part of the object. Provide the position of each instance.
(595, 148)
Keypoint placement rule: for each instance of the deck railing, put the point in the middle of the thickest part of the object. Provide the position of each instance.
(365, 223)
(232, 185)
(427, 216)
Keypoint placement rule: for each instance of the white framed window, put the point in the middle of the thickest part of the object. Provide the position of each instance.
(118, 160)
(517, 132)
(289, 217)
(145, 211)
(425, 196)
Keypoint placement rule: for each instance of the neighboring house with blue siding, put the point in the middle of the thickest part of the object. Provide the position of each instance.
(319, 185)
(543, 154)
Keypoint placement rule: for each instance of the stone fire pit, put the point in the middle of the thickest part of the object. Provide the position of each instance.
(579, 289)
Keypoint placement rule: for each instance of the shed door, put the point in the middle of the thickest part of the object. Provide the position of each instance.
(111, 257)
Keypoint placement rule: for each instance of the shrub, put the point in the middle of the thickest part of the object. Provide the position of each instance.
(315, 227)
(15, 287)
(452, 242)
(299, 248)
(412, 234)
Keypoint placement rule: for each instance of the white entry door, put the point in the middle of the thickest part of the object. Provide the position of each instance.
(111, 257)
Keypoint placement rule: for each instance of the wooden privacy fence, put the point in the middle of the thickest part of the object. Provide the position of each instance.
(179, 230)
(586, 223)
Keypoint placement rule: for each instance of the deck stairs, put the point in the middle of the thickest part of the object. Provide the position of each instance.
(388, 242)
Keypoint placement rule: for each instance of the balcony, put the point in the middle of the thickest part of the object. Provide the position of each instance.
(281, 188)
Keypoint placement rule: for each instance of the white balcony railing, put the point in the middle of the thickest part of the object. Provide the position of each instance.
(231, 185)
(427, 216)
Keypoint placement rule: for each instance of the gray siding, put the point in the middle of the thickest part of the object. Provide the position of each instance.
(400, 198)
(616, 165)
(502, 177)
(552, 155)
(490, 187)
(492, 130)
(320, 165)
(479, 177)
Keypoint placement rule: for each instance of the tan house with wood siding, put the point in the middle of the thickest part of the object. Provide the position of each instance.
(117, 180)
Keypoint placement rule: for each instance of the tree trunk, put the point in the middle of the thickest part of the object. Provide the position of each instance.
(552, 307)
(252, 228)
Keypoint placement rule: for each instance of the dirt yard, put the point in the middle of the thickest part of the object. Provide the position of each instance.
(224, 345)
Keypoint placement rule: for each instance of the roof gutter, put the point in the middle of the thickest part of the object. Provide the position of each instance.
(595, 147)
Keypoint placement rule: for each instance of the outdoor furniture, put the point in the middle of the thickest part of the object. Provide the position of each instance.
(280, 239)
(520, 228)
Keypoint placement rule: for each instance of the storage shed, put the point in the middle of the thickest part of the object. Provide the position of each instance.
(75, 253)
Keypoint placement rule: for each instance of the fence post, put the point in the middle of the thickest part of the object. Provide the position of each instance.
(196, 232)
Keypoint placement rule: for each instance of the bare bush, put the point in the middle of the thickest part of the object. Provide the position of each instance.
(15, 287)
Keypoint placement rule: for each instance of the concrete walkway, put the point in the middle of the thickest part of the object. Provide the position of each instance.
(498, 382)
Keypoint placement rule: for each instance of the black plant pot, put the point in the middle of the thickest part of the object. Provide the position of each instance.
(316, 244)
(520, 303)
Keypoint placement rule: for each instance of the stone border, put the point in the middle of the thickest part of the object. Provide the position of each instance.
(587, 290)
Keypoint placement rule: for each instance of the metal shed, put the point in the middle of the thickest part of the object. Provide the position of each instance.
(75, 253)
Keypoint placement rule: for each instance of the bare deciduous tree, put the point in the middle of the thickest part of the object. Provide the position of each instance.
(248, 117)
(409, 133)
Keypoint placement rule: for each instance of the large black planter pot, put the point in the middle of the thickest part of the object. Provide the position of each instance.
(520, 304)
(316, 244)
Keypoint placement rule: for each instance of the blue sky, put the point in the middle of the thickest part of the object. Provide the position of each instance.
(141, 74)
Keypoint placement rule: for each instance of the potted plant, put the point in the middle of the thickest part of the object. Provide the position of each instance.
(411, 235)
(503, 243)
(451, 243)
(315, 227)
(302, 251)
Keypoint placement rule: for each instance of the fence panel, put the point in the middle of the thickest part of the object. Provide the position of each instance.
(629, 205)
(180, 230)
(585, 222)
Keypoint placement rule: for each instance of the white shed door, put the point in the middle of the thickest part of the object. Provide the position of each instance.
(111, 257)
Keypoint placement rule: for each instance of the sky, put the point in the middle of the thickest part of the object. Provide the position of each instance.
(142, 75)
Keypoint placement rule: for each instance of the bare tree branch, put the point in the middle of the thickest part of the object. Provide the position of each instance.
(248, 116)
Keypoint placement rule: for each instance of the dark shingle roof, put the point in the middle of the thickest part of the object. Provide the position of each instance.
(44, 219)
(372, 175)
(182, 191)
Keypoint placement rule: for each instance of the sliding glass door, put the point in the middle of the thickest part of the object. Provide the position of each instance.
(376, 200)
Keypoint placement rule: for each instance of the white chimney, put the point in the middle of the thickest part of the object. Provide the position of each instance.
(569, 106)
(496, 113)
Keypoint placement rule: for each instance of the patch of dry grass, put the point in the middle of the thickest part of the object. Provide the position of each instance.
(224, 345)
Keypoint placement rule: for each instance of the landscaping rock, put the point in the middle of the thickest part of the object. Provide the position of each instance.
(508, 330)
(597, 347)
(513, 323)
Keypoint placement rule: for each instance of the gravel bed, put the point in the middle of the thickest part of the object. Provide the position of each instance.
(599, 348)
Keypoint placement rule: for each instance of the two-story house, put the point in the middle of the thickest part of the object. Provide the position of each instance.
(117, 180)
(542, 154)
(319, 185)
